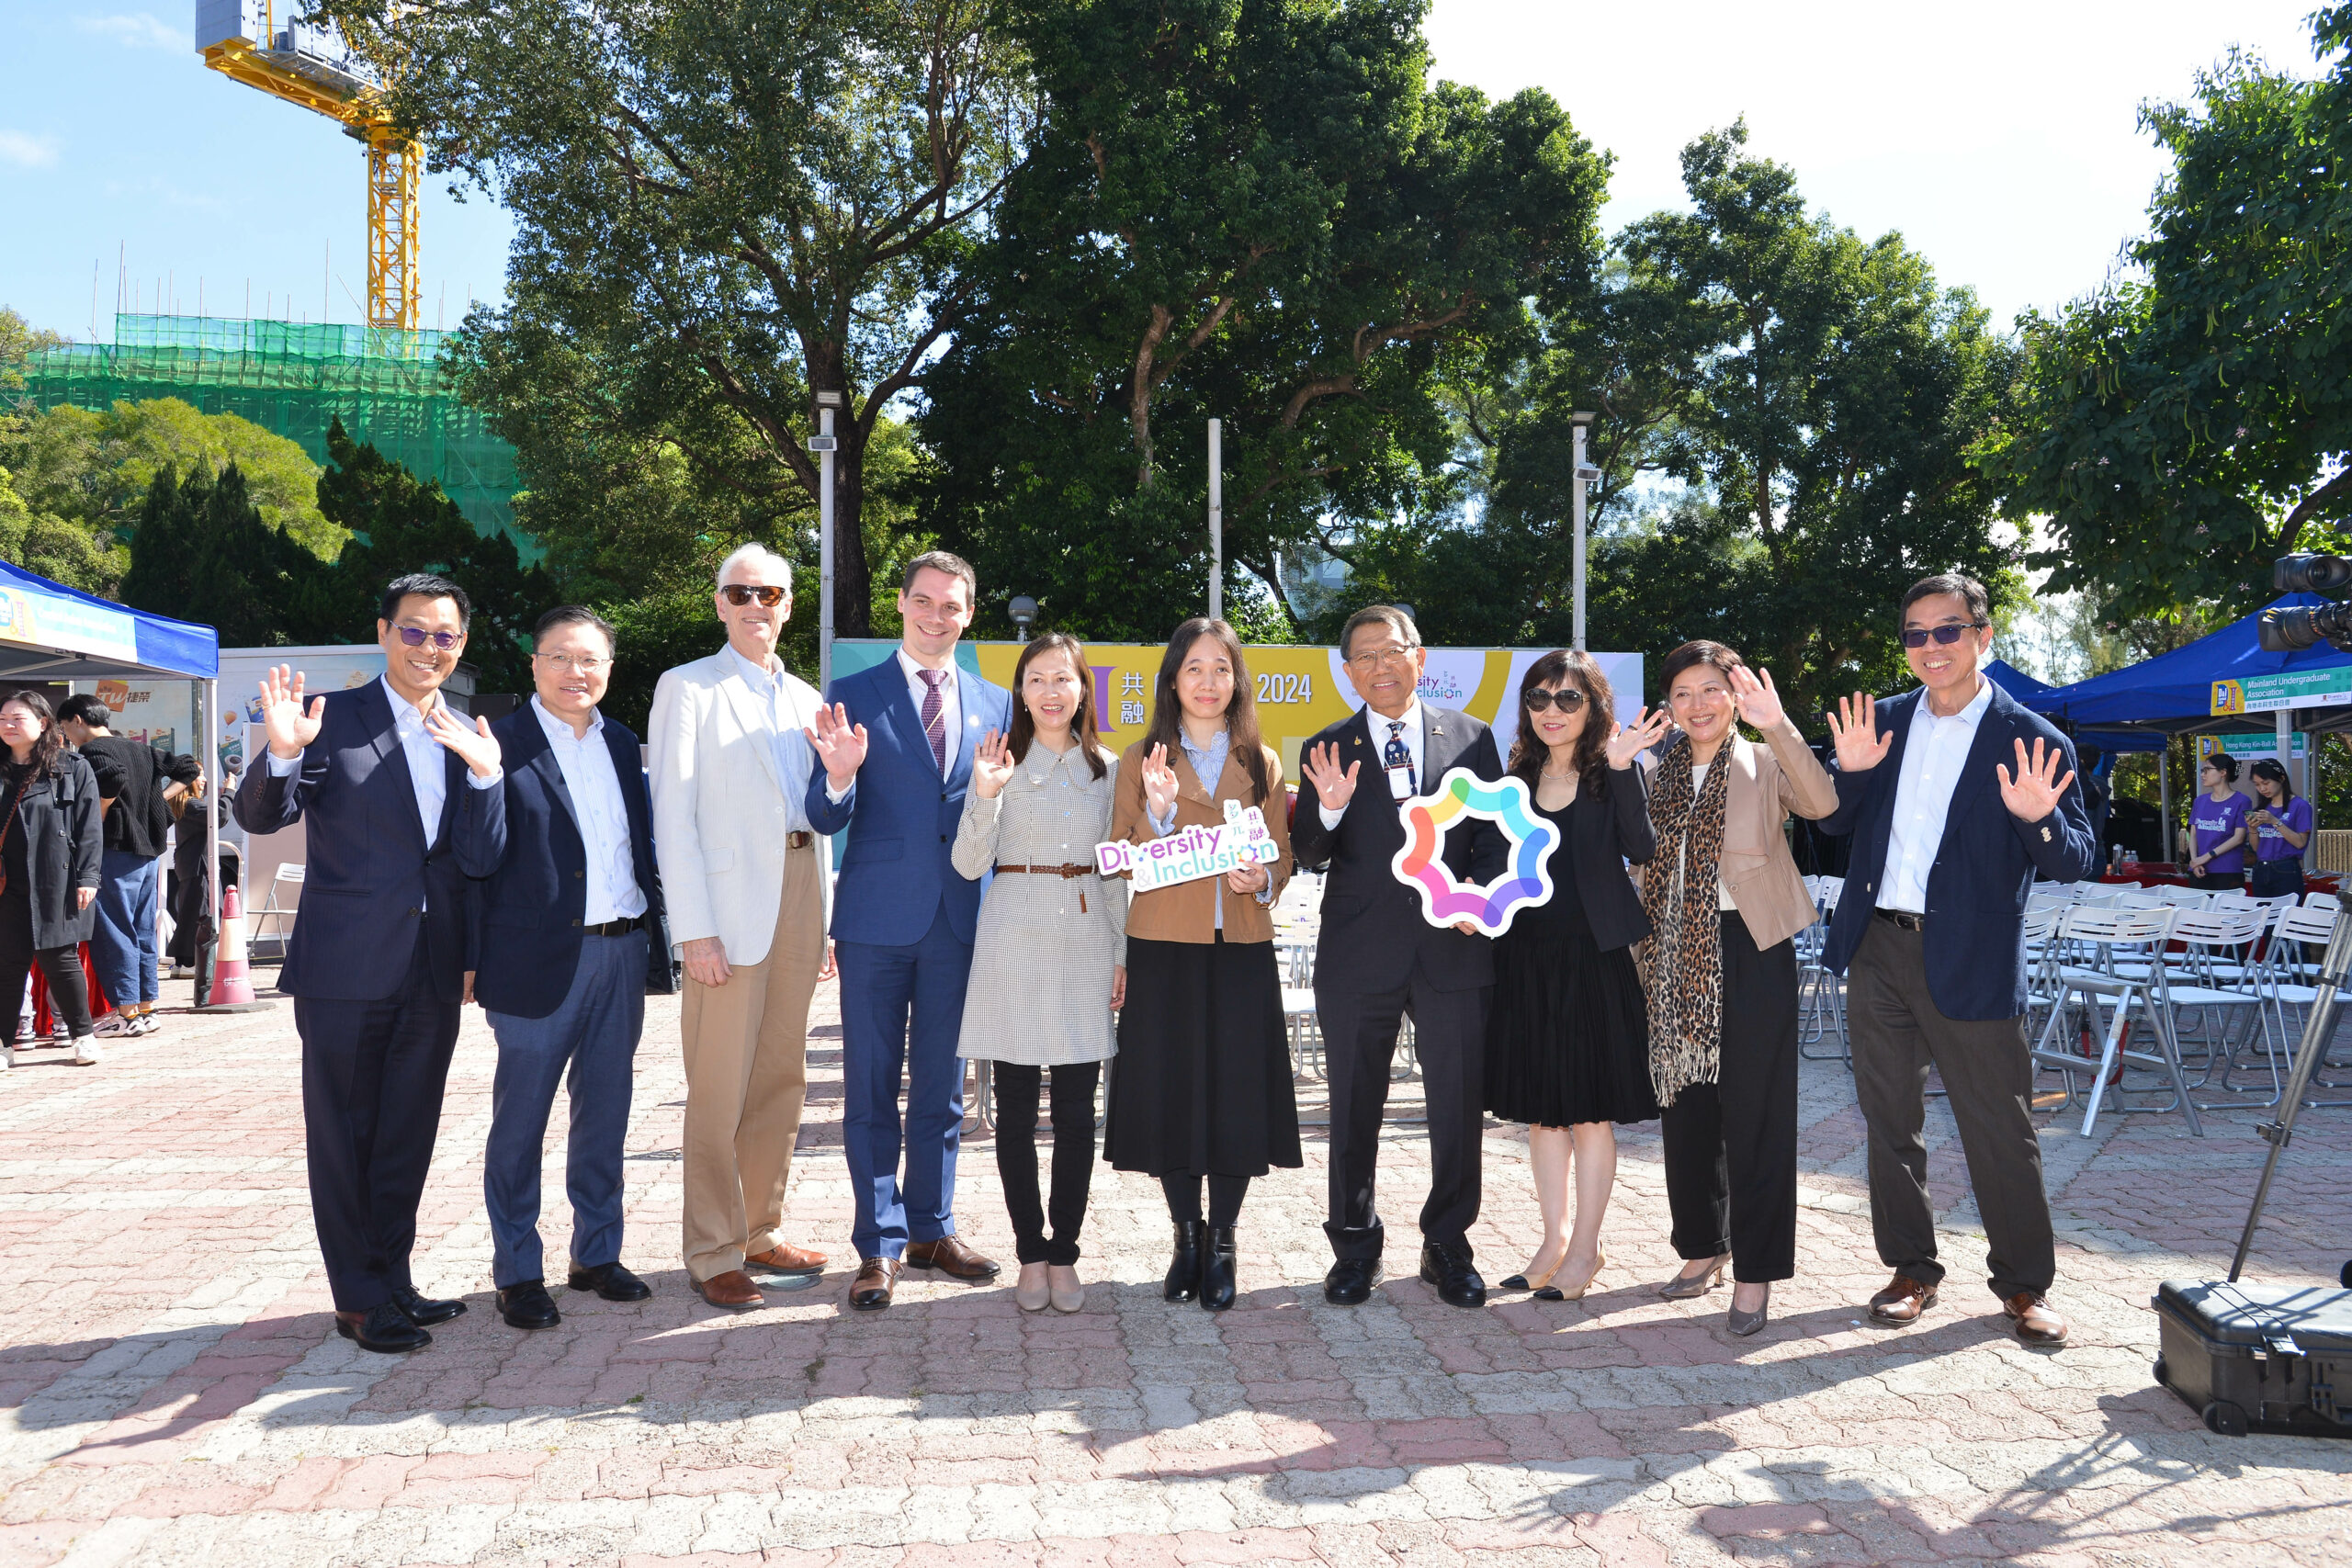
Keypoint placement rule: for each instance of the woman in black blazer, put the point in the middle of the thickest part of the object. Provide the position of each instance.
(1568, 1037)
(48, 856)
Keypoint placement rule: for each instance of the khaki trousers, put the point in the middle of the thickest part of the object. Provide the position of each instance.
(747, 1073)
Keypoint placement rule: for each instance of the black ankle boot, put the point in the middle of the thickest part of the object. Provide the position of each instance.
(1183, 1280)
(1216, 1269)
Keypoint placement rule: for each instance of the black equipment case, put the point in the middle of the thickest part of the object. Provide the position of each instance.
(2259, 1357)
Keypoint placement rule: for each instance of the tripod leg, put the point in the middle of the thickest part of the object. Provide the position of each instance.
(2319, 1031)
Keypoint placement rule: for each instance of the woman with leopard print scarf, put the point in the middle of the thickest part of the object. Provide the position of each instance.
(1725, 903)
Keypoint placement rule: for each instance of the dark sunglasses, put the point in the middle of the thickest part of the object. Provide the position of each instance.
(739, 594)
(1567, 699)
(1914, 637)
(445, 641)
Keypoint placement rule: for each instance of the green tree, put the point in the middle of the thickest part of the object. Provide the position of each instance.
(1255, 209)
(724, 205)
(202, 551)
(2191, 419)
(59, 548)
(20, 340)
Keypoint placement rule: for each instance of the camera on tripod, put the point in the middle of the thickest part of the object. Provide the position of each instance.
(2307, 626)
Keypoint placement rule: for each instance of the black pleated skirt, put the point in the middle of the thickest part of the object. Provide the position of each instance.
(1568, 1037)
(1202, 1084)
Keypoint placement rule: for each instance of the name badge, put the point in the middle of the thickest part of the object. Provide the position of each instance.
(1400, 780)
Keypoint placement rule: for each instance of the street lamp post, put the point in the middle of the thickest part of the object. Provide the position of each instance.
(1024, 610)
(1582, 420)
(822, 443)
(1216, 518)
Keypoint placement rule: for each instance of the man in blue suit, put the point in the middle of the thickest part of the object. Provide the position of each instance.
(569, 938)
(401, 802)
(894, 749)
(1947, 839)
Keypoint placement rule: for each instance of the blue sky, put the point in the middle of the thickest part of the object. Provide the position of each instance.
(1998, 136)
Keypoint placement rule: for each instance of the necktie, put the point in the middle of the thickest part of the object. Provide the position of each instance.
(932, 727)
(1393, 755)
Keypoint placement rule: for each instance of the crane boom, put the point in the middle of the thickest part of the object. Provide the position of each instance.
(313, 69)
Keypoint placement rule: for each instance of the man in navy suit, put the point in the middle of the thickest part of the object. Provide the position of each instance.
(569, 939)
(895, 755)
(1931, 929)
(400, 801)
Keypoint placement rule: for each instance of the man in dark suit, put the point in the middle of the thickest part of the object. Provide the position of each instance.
(569, 939)
(1378, 959)
(1947, 840)
(894, 753)
(401, 803)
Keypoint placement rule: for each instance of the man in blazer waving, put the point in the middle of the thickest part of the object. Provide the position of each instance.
(896, 752)
(1378, 959)
(568, 940)
(743, 880)
(1947, 839)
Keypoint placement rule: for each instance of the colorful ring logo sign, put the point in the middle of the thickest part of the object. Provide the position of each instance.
(1505, 802)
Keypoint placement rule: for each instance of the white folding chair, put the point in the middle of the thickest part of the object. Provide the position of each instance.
(2108, 998)
(2301, 933)
(2209, 977)
(2321, 901)
(288, 875)
(1820, 996)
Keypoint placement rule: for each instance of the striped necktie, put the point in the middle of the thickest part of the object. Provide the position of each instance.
(932, 727)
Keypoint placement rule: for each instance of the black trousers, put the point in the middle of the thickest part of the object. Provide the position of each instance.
(1731, 1145)
(1360, 1024)
(69, 989)
(1017, 1089)
(1898, 1032)
(372, 1079)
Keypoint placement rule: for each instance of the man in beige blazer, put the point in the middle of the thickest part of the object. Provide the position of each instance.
(729, 771)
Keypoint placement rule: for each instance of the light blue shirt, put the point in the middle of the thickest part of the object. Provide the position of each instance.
(1933, 754)
(794, 760)
(1208, 766)
(589, 777)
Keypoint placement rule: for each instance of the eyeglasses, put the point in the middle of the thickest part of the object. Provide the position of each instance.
(739, 594)
(1382, 658)
(1567, 699)
(415, 637)
(587, 663)
(1915, 636)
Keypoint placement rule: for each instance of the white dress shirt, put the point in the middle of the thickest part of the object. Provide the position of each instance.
(1724, 899)
(794, 759)
(1410, 735)
(950, 709)
(1933, 754)
(603, 815)
(425, 762)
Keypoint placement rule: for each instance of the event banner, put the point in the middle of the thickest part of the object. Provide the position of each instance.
(1300, 688)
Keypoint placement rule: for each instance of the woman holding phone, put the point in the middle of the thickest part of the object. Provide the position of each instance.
(2282, 825)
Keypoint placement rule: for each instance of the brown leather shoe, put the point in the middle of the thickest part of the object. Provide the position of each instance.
(2036, 1324)
(951, 1258)
(1903, 1301)
(732, 1289)
(783, 1260)
(876, 1278)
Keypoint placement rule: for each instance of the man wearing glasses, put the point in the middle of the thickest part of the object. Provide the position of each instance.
(1377, 958)
(400, 803)
(743, 878)
(569, 937)
(1947, 840)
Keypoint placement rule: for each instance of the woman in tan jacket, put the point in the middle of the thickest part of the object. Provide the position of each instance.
(1725, 902)
(1202, 1093)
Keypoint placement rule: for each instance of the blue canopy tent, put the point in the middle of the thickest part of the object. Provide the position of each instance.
(2024, 688)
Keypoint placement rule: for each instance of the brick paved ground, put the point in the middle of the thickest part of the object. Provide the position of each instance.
(170, 1391)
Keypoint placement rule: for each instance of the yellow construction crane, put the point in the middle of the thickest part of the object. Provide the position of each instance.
(314, 68)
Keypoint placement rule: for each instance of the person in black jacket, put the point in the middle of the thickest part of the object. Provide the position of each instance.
(137, 784)
(1567, 1040)
(48, 868)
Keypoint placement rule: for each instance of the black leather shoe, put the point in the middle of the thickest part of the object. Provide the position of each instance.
(609, 1280)
(422, 1311)
(1350, 1281)
(1216, 1269)
(526, 1304)
(1448, 1267)
(383, 1328)
(1183, 1281)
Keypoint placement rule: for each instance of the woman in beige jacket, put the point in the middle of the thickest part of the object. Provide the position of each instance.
(1725, 903)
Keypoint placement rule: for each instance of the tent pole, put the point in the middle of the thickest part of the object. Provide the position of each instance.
(208, 757)
(2163, 797)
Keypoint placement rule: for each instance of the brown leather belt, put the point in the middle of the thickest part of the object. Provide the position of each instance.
(1064, 871)
(799, 840)
(1903, 917)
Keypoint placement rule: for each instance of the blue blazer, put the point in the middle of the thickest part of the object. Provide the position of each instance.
(1985, 866)
(372, 880)
(528, 913)
(900, 814)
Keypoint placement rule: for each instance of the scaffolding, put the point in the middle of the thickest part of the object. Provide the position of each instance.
(294, 380)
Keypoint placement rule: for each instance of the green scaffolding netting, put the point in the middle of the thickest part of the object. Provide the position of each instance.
(294, 378)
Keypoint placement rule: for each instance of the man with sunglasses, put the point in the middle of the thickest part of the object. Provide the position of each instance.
(1947, 839)
(1376, 958)
(400, 806)
(743, 876)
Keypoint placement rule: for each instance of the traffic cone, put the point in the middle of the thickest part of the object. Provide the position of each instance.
(232, 981)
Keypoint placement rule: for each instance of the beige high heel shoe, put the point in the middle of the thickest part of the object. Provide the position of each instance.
(1688, 1287)
(1600, 1261)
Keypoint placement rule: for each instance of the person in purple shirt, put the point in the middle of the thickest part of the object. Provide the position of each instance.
(2217, 818)
(2282, 825)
